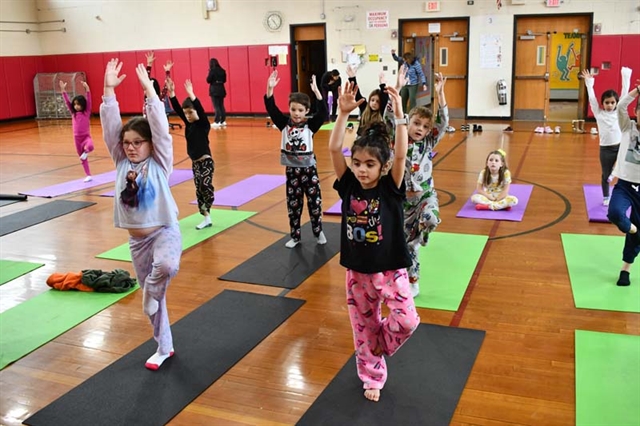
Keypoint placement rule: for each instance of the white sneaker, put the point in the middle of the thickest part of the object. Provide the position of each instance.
(322, 239)
(605, 201)
(216, 125)
(292, 243)
(415, 289)
(594, 131)
(610, 178)
(557, 129)
(84, 156)
(223, 124)
(88, 179)
(539, 130)
(548, 129)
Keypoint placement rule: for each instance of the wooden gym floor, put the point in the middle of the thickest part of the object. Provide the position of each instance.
(520, 292)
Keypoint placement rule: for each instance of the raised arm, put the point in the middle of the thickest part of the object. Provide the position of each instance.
(65, 96)
(278, 118)
(351, 73)
(396, 58)
(317, 120)
(589, 82)
(202, 115)
(110, 119)
(175, 105)
(346, 103)
(443, 110)
(87, 95)
(401, 138)
(623, 114)
(626, 80)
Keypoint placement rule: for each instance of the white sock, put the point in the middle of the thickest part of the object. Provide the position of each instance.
(321, 238)
(88, 179)
(205, 223)
(415, 289)
(157, 359)
(149, 304)
(84, 156)
(292, 243)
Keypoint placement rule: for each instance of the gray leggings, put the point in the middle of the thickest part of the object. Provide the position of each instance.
(608, 155)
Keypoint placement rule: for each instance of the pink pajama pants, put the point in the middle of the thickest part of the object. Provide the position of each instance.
(365, 295)
(84, 143)
(156, 258)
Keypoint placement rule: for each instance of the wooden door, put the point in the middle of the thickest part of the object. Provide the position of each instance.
(533, 58)
(450, 57)
(309, 56)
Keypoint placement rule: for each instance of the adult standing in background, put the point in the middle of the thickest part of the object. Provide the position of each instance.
(330, 82)
(415, 76)
(216, 79)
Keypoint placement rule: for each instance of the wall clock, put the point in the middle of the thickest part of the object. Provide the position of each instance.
(273, 21)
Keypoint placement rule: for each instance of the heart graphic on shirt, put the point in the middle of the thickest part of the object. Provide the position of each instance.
(359, 206)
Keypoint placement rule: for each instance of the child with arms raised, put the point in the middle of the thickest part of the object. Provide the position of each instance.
(373, 109)
(494, 181)
(196, 132)
(142, 151)
(372, 244)
(296, 154)
(80, 108)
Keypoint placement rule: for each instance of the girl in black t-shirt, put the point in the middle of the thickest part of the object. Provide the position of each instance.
(372, 244)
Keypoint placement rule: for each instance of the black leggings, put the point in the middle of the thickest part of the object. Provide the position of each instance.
(608, 155)
(218, 106)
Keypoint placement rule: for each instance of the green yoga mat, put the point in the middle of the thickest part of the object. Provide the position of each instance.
(330, 126)
(607, 379)
(41, 319)
(446, 266)
(222, 219)
(12, 269)
(594, 263)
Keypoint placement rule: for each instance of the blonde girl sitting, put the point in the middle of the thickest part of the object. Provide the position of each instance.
(494, 181)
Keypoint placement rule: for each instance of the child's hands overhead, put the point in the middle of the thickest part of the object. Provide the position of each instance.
(145, 81)
(347, 98)
(440, 82)
(273, 80)
(63, 86)
(394, 96)
(382, 79)
(403, 76)
(86, 86)
(585, 74)
(314, 87)
(351, 72)
(151, 57)
(171, 86)
(112, 79)
(167, 67)
(188, 86)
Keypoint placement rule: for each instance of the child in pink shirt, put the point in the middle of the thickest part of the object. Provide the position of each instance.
(80, 108)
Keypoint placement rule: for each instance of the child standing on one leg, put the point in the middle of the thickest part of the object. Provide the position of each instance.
(196, 132)
(372, 244)
(142, 151)
(296, 153)
(626, 192)
(80, 108)
(421, 210)
(494, 182)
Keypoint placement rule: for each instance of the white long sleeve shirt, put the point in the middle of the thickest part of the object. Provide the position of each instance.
(608, 126)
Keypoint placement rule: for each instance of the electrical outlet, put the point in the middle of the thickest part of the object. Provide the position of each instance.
(469, 2)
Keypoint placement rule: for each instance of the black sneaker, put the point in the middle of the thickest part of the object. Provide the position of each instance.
(475, 127)
(624, 279)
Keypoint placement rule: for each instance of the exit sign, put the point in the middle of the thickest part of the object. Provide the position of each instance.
(432, 6)
(553, 3)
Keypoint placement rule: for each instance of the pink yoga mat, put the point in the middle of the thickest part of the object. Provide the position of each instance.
(596, 212)
(522, 192)
(176, 177)
(72, 186)
(246, 190)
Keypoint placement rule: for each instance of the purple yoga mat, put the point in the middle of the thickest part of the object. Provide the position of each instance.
(176, 177)
(72, 186)
(522, 192)
(335, 209)
(246, 190)
(596, 212)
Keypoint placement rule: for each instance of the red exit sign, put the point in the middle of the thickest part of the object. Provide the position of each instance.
(432, 6)
(553, 3)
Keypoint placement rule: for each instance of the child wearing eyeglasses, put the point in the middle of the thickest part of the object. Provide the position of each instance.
(142, 151)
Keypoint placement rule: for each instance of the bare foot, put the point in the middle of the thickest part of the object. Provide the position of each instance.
(372, 394)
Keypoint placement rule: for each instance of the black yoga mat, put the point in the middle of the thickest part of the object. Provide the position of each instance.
(426, 378)
(208, 342)
(42, 213)
(7, 202)
(278, 266)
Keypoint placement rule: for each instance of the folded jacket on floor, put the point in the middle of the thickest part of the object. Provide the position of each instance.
(68, 281)
(117, 281)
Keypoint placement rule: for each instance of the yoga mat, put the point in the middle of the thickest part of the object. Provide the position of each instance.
(607, 379)
(335, 209)
(44, 317)
(446, 267)
(176, 177)
(426, 378)
(278, 266)
(208, 342)
(594, 263)
(72, 186)
(222, 220)
(523, 192)
(12, 269)
(42, 213)
(7, 202)
(596, 212)
(246, 190)
(331, 125)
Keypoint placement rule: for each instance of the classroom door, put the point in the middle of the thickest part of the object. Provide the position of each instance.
(543, 63)
(309, 57)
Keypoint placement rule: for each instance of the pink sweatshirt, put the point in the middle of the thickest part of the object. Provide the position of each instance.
(80, 121)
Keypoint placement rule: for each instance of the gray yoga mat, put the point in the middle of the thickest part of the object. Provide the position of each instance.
(208, 342)
(278, 266)
(426, 378)
(42, 213)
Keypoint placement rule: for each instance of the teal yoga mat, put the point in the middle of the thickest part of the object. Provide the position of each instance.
(222, 220)
(12, 269)
(607, 379)
(446, 267)
(594, 263)
(41, 319)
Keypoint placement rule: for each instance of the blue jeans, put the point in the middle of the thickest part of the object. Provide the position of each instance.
(626, 194)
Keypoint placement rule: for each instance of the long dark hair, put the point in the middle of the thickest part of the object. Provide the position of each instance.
(375, 140)
(213, 63)
(81, 100)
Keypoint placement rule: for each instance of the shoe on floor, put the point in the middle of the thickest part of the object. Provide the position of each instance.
(605, 201)
(322, 239)
(475, 128)
(291, 243)
(508, 129)
(479, 128)
(593, 131)
(223, 124)
(88, 179)
(539, 130)
(557, 129)
(450, 129)
(548, 129)
(216, 125)
(624, 279)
